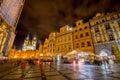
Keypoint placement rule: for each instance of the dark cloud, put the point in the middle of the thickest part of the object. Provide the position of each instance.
(45, 16)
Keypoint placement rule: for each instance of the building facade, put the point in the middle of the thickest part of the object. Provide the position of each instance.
(10, 11)
(51, 44)
(45, 47)
(29, 44)
(106, 33)
(82, 39)
(64, 41)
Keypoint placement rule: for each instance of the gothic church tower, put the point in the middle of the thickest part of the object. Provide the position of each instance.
(29, 44)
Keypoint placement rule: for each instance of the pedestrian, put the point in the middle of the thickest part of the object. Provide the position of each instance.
(23, 66)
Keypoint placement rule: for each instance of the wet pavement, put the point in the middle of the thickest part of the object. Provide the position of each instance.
(45, 71)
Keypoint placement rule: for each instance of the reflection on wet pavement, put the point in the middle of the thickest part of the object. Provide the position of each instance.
(45, 71)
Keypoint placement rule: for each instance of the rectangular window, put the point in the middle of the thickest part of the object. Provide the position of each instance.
(81, 35)
(107, 26)
(82, 44)
(88, 43)
(87, 34)
(76, 37)
(77, 45)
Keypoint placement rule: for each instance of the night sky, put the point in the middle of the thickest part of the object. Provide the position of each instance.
(42, 17)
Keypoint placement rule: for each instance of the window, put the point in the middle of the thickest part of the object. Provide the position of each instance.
(77, 45)
(75, 30)
(87, 34)
(96, 29)
(76, 37)
(81, 35)
(111, 36)
(80, 29)
(82, 44)
(98, 38)
(88, 43)
(107, 26)
(103, 20)
(85, 28)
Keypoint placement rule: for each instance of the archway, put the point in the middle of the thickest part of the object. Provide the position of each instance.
(106, 55)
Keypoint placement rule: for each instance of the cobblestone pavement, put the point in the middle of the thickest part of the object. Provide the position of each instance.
(45, 71)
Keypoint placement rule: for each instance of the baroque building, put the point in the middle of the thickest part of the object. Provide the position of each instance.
(106, 33)
(64, 41)
(10, 11)
(29, 44)
(82, 39)
(45, 47)
(51, 44)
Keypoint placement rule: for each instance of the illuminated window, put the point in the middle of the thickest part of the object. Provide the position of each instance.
(110, 35)
(98, 38)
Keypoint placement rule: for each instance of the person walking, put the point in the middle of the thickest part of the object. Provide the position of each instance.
(23, 66)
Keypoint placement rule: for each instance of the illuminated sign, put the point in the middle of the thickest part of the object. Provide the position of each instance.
(10, 9)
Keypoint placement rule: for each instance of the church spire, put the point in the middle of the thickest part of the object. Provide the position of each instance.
(28, 37)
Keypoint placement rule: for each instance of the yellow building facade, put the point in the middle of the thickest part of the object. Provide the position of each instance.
(51, 44)
(64, 41)
(9, 16)
(45, 47)
(82, 39)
